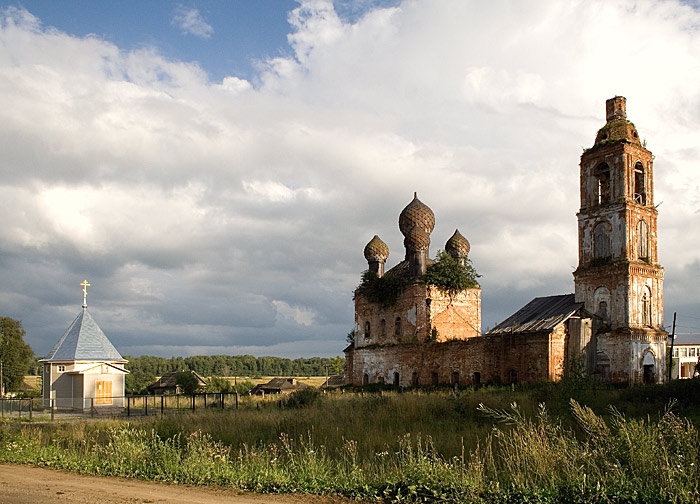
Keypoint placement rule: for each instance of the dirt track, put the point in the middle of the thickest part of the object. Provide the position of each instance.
(22, 484)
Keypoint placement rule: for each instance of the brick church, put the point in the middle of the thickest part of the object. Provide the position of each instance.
(611, 327)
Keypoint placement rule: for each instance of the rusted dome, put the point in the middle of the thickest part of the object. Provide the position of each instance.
(376, 250)
(417, 239)
(416, 215)
(457, 245)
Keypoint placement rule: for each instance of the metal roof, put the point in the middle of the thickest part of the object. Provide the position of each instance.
(84, 341)
(540, 314)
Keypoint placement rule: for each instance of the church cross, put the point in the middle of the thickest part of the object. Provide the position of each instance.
(85, 285)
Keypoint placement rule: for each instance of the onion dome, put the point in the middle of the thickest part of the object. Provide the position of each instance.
(416, 215)
(417, 239)
(376, 250)
(457, 245)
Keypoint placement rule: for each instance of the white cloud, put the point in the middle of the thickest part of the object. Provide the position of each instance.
(190, 21)
(233, 215)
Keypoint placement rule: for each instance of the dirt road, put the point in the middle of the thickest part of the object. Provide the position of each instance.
(22, 484)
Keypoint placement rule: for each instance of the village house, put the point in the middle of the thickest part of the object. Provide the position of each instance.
(83, 370)
(686, 355)
(167, 384)
(611, 326)
(279, 386)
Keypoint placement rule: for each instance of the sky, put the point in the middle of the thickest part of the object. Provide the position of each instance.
(215, 169)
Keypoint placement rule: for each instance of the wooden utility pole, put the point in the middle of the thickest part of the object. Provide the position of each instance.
(673, 338)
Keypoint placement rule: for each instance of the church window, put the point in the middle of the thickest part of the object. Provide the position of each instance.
(646, 307)
(434, 378)
(382, 327)
(397, 327)
(512, 376)
(602, 174)
(601, 242)
(365, 379)
(367, 330)
(640, 195)
(455, 378)
(415, 380)
(643, 240)
(396, 379)
(476, 380)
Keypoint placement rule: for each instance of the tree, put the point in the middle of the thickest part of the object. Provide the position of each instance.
(16, 356)
(187, 381)
(451, 274)
(218, 384)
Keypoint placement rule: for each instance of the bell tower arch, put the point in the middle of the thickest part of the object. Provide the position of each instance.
(618, 249)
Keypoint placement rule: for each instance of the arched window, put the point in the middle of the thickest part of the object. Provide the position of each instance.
(365, 379)
(601, 241)
(646, 307)
(455, 378)
(397, 327)
(396, 379)
(640, 193)
(382, 327)
(415, 380)
(603, 192)
(367, 331)
(476, 379)
(642, 240)
(601, 298)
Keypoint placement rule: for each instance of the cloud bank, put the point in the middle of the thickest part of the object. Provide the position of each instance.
(230, 216)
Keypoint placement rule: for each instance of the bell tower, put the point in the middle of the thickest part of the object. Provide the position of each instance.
(618, 277)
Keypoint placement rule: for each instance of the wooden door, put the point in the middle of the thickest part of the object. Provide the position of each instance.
(103, 392)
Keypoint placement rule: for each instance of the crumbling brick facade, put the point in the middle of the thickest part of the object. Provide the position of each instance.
(618, 277)
(612, 326)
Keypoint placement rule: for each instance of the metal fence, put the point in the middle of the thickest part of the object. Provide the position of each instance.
(37, 408)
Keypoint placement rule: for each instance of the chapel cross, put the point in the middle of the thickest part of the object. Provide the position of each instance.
(85, 285)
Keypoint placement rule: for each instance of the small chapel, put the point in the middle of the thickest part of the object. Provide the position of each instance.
(610, 328)
(84, 370)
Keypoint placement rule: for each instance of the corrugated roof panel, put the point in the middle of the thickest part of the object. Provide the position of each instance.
(540, 314)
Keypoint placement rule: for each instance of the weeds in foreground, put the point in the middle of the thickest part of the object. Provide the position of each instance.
(466, 453)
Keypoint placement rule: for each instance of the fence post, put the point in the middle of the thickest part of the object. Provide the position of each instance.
(128, 406)
(205, 400)
(145, 402)
(19, 408)
(92, 407)
(236, 399)
(162, 398)
(53, 408)
(2, 407)
(193, 406)
(221, 399)
(31, 408)
(177, 401)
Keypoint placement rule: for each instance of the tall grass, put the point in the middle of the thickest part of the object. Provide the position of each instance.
(488, 445)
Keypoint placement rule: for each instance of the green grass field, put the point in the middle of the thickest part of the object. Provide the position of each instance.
(539, 443)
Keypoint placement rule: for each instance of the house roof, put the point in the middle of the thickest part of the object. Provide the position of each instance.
(84, 341)
(281, 384)
(334, 381)
(169, 380)
(540, 314)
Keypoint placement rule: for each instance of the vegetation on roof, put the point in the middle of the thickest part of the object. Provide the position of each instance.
(447, 273)
(450, 274)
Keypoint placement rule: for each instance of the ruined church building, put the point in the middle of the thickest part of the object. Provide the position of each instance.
(611, 327)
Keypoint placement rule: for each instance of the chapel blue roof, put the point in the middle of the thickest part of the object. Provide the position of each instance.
(84, 341)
